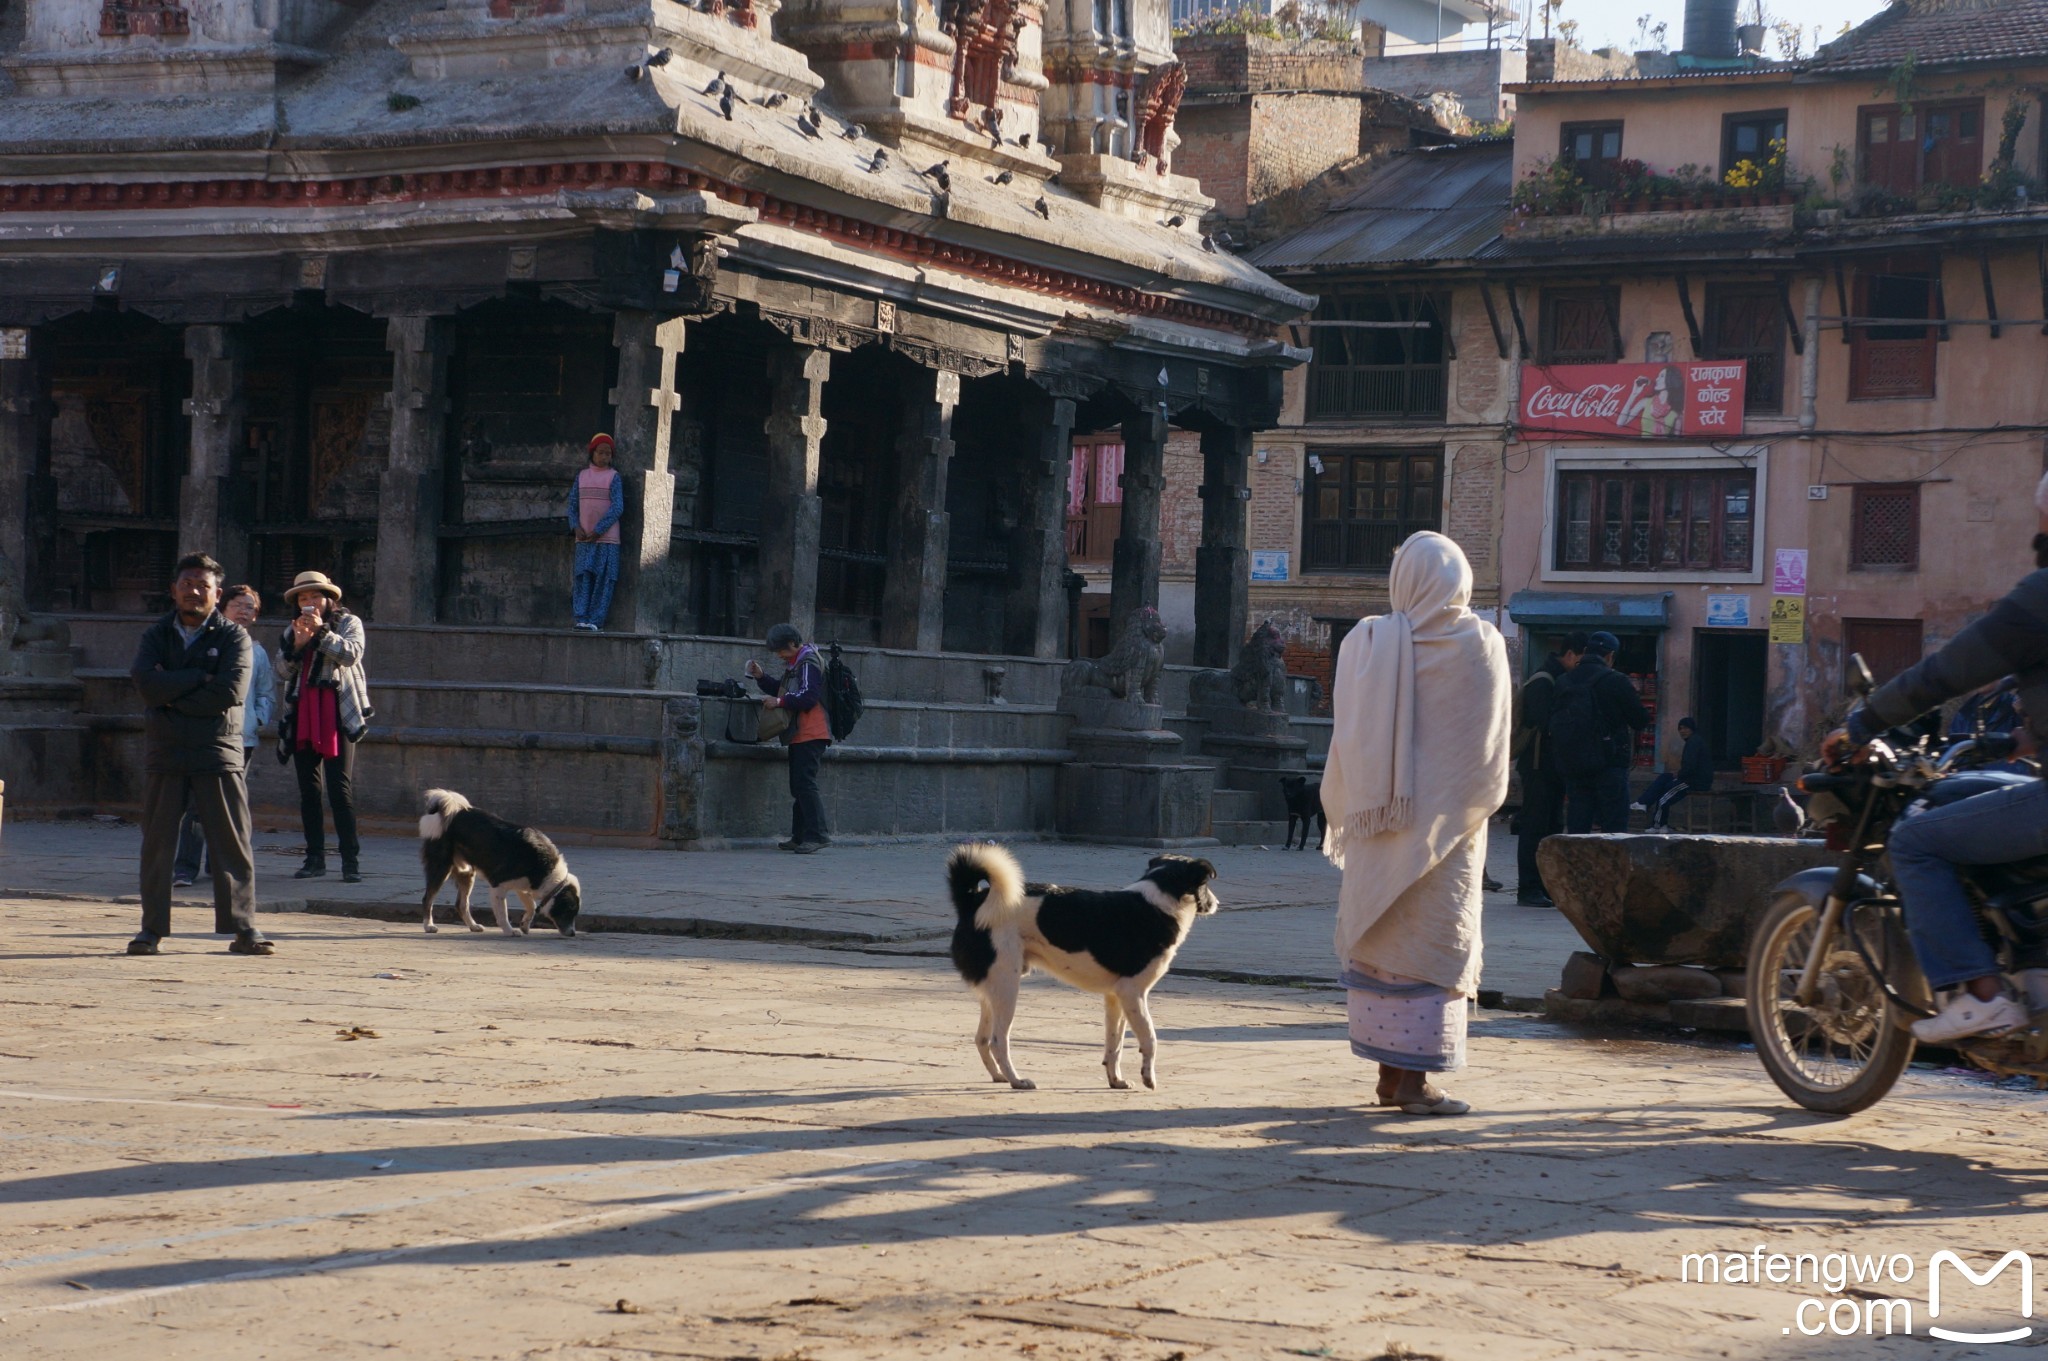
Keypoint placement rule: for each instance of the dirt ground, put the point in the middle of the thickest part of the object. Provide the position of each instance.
(621, 1146)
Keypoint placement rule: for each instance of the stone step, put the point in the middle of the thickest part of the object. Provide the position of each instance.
(592, 710)
(1234, 805)
(618, 661)
(1248, 833)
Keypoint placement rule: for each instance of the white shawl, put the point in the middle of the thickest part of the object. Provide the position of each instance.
(1419, 749)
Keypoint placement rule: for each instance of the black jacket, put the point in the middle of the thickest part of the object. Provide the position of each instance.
(1696, 765)
(1617, 708)
(192, 696)
(1536, 699)
(2011, 639)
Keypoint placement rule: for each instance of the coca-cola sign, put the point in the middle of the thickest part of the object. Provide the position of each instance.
(1633, 401)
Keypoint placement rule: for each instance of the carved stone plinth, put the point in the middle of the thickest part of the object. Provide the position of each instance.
(1144, 805)
(1098, 709)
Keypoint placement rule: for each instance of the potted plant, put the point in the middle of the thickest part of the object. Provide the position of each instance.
(1749, 34)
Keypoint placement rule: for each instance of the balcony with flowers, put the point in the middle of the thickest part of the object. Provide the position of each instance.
(1555, 198)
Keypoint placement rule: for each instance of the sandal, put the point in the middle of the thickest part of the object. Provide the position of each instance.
(1440, 1104)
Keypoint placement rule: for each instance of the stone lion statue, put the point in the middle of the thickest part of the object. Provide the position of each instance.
(20, 630)
(1260, 677)
(1131, 670)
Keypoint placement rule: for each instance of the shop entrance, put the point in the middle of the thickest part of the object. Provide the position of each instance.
(1728, 692)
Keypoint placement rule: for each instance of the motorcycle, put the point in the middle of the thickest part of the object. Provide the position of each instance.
(1834, 986)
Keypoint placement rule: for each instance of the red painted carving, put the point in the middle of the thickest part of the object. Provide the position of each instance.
(1162, 103)
(138, 18)
(524, 9)
(741, 12)
(985, 34)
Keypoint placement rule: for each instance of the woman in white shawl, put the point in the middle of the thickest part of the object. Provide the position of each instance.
(1418, 763)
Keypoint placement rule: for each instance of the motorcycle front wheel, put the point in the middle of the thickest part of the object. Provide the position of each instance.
(1845, 1050)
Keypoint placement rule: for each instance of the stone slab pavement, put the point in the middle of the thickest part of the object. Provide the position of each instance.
(629, 1147)
(1276, 924)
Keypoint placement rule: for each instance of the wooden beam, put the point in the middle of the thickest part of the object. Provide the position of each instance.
(1842, 297)
(1521, 331)
(1692, 322)
(1990, 297)
(1500, 336)
(1791, 317)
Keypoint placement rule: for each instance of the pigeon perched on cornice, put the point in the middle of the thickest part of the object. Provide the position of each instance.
(1174, 221)
(1003, 178)
(661, 58)
(717, 84)
(937, 175)
(881, 159)
(725, 103)
(1042, 208)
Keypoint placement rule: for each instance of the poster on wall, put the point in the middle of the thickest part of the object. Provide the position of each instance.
(1633, 401)
(1788, 618)
(1269, 566)
(1788, 574)
(1727, 611)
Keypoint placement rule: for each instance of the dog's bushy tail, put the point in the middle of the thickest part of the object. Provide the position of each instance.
(442, 804)
(986, 882)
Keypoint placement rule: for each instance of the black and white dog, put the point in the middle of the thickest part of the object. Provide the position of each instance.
(1304, 802)
(464, 841)
(1117, 943)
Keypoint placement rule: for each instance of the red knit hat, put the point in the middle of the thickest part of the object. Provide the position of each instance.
(597, 439)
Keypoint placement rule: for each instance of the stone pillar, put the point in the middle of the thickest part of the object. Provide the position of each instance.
(1222, 564)
(409, 490)
(914, 589)
(1134, 563)
(644, 405)
(20, 394)
(1035, 610)
(207, 522)
(791, 513)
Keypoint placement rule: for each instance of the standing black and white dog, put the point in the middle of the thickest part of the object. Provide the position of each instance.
(464, 841)
(1117, 943)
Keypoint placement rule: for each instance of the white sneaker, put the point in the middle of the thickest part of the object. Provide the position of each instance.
(1962, 1016)
(1637, 808)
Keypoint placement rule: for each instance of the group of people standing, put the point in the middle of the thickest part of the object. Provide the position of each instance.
(1575, 730)
(207, 686)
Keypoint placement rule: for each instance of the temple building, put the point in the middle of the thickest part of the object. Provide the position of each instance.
(348, 285)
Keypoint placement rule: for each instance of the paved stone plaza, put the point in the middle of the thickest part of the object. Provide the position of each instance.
(631, 1145)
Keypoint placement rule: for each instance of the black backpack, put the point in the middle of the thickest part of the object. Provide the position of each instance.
(843, 704)
(1578, 743)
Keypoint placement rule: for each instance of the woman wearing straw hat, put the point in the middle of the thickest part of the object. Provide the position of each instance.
(326, 711)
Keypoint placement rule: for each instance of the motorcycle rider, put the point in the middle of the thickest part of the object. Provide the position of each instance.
(1994, 828)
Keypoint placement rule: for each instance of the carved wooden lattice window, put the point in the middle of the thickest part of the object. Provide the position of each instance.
(136, 18)
(1747, 322)
(1625, 521)
(1885, 535)
(1359, 507)
(1895, 359)
(1578, 327)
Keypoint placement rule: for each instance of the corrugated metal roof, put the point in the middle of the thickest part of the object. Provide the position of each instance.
(1436, 203)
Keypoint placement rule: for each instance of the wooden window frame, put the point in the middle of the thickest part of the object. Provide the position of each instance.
(1875, 358)
(1758, 399)
(1860, 496)
(1415, 389)
(1356, 553)
(1914, 178)
(1655, 486)
(1731, 121)
(1609, 300)
(1598, 171)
